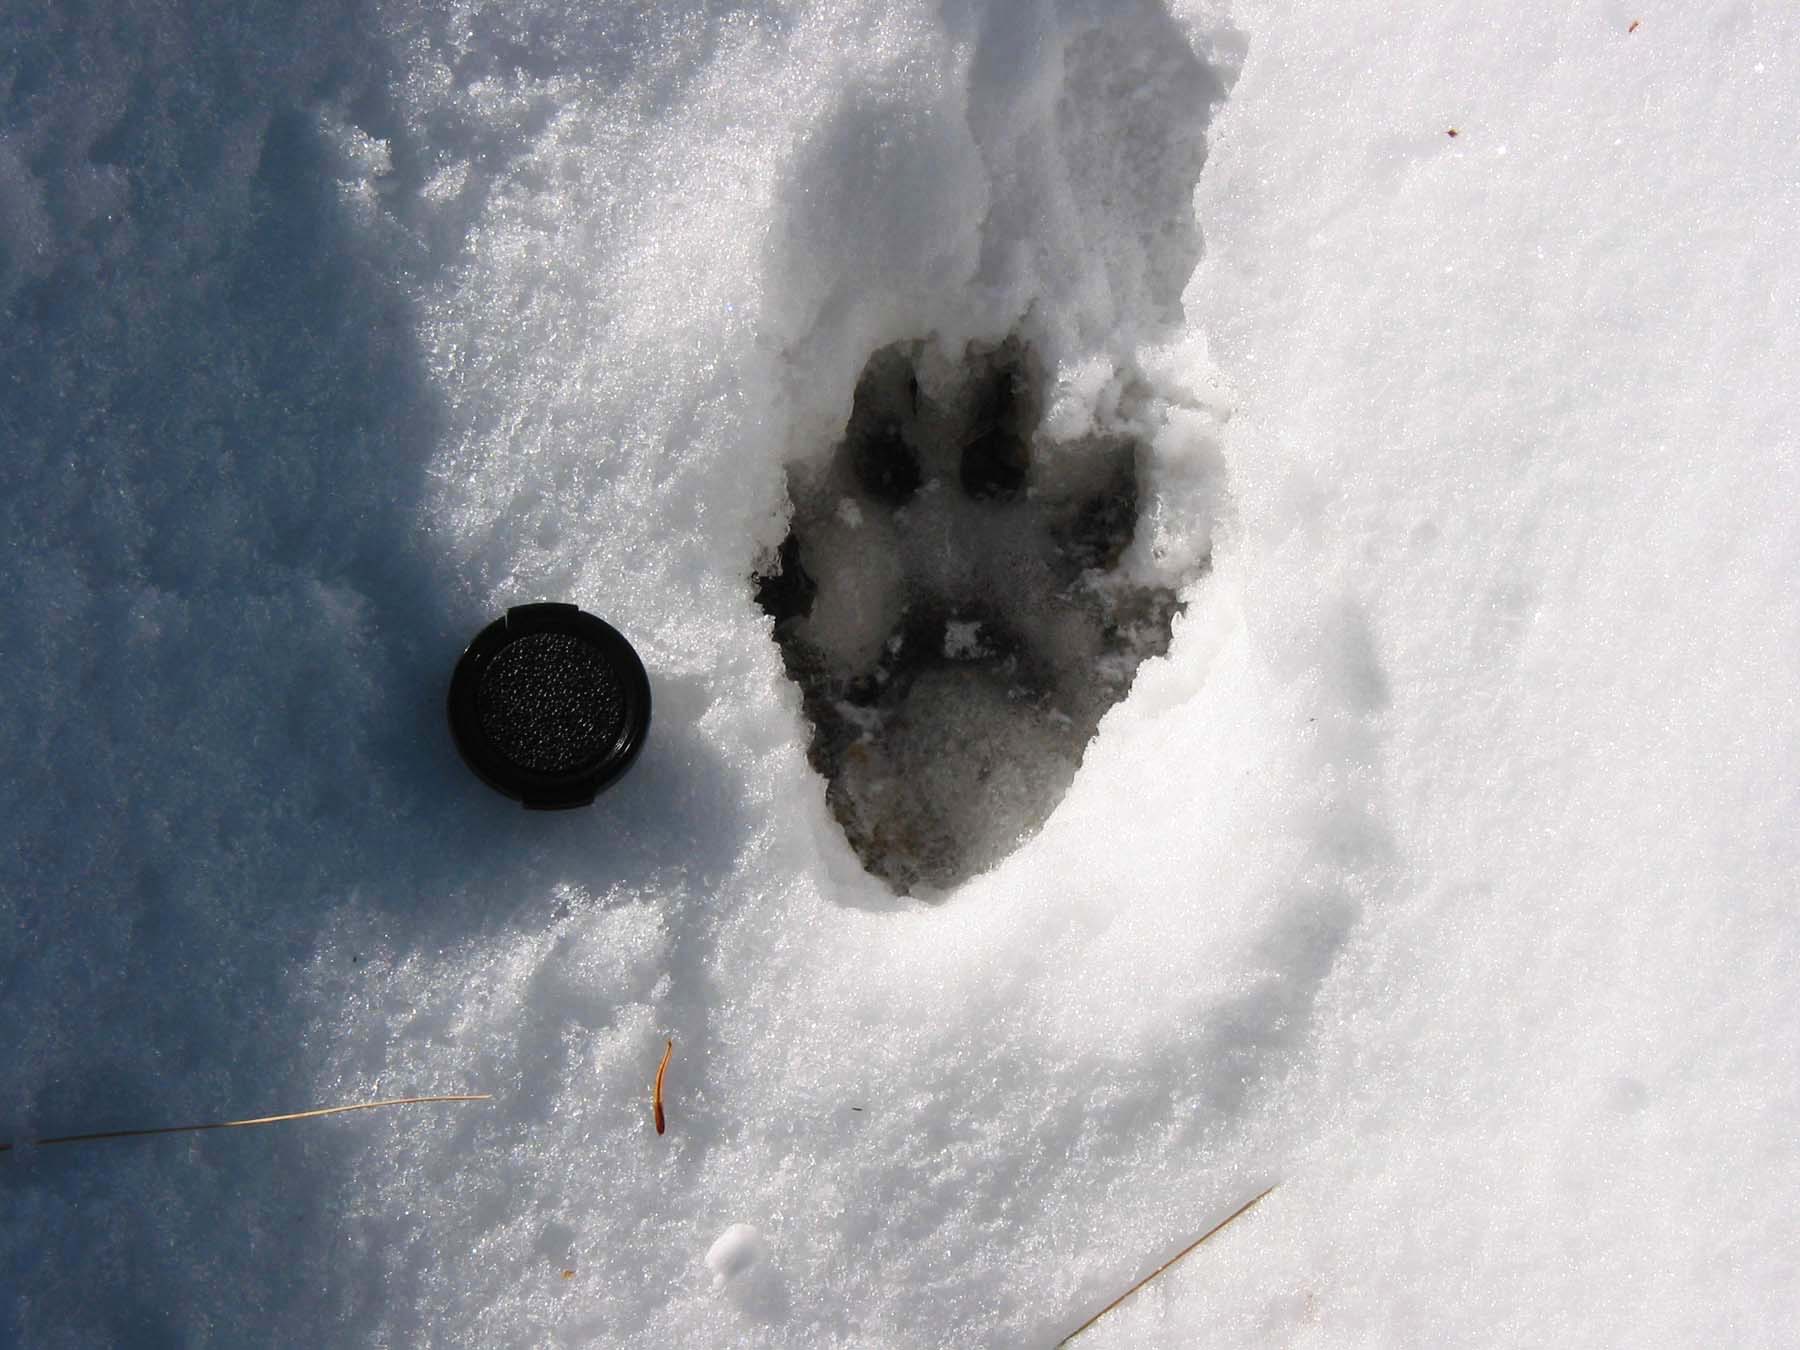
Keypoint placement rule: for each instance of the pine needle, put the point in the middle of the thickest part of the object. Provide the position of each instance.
(1236, 1214)
(238, 1124)
(656, 1092)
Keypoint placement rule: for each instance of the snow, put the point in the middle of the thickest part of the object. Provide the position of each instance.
(734, 1254)
(1443, 872)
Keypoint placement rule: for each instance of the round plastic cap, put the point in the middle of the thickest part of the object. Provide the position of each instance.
(549, 705)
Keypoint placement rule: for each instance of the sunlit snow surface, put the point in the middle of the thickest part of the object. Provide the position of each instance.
(1446, 871)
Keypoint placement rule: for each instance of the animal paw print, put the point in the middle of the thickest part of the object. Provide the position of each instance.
(949, 602)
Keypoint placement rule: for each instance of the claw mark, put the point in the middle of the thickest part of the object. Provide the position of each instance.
(656, 1093)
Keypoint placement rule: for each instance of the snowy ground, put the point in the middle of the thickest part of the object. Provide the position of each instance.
(1443, 872)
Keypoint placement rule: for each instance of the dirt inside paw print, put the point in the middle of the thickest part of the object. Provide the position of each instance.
(950, 602)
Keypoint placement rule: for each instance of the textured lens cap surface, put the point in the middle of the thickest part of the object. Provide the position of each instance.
(549, 705)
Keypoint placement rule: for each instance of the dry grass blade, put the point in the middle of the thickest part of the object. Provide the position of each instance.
(239, 1124)
(1230, 1218)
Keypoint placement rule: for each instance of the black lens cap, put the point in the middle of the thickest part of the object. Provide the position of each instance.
(549, 705)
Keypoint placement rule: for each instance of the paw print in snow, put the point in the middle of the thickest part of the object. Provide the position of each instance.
(949, 602)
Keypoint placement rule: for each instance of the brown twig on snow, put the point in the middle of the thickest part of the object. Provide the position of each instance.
(1236, 1214)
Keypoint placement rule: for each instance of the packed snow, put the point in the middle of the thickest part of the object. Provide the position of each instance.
(1444, 872)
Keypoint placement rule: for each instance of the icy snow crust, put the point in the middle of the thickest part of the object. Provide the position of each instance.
(1444, 870)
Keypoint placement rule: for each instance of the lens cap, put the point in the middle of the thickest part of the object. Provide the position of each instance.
(549, 705)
